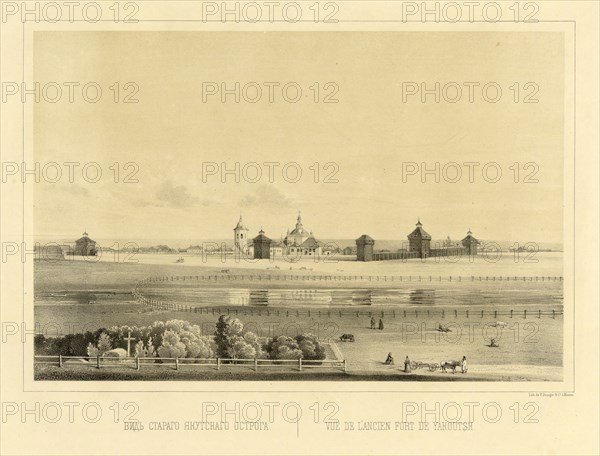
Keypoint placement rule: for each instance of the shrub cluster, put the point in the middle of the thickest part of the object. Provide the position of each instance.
(181, 339)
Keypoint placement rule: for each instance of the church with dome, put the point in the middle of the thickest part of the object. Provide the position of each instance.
(300, 241)
(297, 242)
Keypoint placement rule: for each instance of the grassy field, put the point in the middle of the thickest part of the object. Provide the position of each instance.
(50, 373)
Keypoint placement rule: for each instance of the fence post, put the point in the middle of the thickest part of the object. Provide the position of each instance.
(255, 364)
(60, 361)
(218, 363)
(299, 364)
(539, 314)
(553, 314)
(98, 361)
(344, 365)
(525, 313)
(177, 364)
(137, 363)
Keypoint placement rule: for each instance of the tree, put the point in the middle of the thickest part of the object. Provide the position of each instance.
(284, 347)
(310, 346)
(104, 344)
(240, 349)
(226, 328)
(78, 344)
(39, 344)
(254, 341)
(145, 350)
(156, 333)
(171, 347)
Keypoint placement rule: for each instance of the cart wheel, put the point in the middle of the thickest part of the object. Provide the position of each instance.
(414, 365)
(433, 367)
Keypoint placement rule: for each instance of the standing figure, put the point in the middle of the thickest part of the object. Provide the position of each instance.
(463, 365)
(372, 323)
(380, 323)
(407, 365)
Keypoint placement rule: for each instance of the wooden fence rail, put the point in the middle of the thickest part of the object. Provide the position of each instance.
(400, 312)
(226, 277)
(217, 363)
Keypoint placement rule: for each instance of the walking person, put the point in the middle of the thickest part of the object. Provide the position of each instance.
(380, 323)
(463, 365)
(372, 323)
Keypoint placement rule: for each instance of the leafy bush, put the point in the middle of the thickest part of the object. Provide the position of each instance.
(181, 339)
(104, 345)
(172, 347)
(147, 350)
(232, 342)
(310, 346)
(284, 347)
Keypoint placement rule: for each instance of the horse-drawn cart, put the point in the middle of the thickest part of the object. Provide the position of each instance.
(414, 365)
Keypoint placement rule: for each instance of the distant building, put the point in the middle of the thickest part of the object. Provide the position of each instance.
(296, 243)
(300, 241)
(364, 248)
(262, 246)
(194, 249)
(419, 246)
(277, 248)
(470, 243)
(240, 237)
(349, 251)
(330, 249)
(419, 241)
(84, 246)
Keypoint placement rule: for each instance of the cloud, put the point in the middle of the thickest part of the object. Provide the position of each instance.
(177, 196)
(266, 196)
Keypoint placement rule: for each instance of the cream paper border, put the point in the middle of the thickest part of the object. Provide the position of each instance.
(565, 420)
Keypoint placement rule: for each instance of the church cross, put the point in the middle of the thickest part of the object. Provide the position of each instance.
(129, 339)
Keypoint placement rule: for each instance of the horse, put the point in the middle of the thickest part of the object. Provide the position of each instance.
(450, 364)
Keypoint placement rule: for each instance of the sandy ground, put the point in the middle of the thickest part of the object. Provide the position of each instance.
(530, 349)
(502, 264)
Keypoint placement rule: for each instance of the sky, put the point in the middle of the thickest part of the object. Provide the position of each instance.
(361, 144)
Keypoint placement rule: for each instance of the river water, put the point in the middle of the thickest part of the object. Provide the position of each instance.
(537, 295)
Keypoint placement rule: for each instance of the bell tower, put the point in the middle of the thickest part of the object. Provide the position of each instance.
(240, 237)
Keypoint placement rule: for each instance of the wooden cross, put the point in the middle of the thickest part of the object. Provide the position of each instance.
(129, 339)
